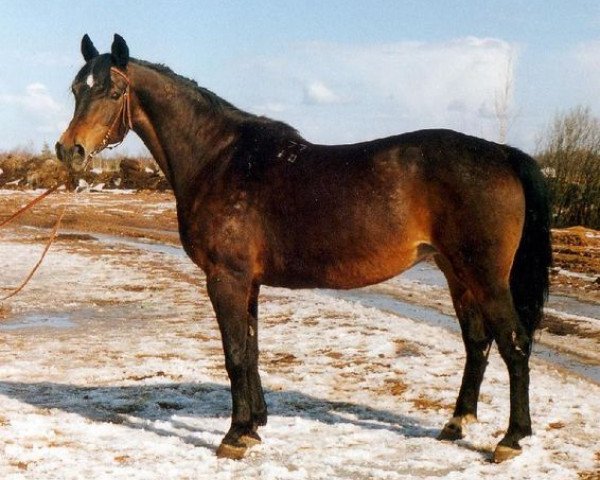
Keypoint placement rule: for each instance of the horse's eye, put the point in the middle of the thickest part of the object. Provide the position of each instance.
(115, 95)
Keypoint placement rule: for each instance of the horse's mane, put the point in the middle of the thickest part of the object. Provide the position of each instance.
(211, 98)
(248, 121)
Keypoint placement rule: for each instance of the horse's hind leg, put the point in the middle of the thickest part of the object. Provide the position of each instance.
(514, 345)
(490, 289)
(477, 342)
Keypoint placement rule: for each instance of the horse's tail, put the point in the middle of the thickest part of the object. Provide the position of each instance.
(529, 277)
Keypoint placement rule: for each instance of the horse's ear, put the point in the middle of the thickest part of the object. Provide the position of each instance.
(119, 51)
(87, 48)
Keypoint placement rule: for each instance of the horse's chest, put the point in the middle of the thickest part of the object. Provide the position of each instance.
(223, 238)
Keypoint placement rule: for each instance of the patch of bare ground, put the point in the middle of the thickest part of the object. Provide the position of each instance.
(563, 326)
(406, 349)
(423, 402)
(576, 269)
(396, 387)
(281, 360)
(592, 474)
(145, 214)
(23, 466)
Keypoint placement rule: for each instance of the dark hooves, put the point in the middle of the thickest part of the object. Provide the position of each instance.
(456, 427)
(451, 432)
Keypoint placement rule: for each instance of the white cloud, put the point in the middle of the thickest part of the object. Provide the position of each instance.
(36, 99)
(35, 117)
(375, 90)
(317, 93)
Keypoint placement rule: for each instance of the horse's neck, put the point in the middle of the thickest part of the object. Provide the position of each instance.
(182, 135)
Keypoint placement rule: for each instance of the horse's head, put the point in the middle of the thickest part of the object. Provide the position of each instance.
(102, 105)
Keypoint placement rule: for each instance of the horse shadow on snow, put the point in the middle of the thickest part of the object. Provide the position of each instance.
(157, 403)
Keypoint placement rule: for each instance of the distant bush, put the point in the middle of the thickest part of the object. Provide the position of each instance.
(569, 153)
(22, 169)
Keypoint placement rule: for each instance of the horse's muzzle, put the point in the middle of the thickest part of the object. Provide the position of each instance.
(72, 156)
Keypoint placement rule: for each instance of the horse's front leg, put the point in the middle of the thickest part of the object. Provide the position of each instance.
(231, 294)
(257, 397)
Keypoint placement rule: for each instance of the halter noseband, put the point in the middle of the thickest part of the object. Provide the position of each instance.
(124, 115)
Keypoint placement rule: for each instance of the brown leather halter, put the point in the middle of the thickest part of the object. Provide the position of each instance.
(124, 115)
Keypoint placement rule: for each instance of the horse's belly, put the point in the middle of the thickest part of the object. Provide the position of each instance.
(344, 270)
(368, 271)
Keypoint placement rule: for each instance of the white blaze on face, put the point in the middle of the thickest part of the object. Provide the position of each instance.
(89, 81)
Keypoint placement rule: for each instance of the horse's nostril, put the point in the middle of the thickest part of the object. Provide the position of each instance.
(79, 150)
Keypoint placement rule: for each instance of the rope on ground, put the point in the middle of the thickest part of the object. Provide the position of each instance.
(50, 240)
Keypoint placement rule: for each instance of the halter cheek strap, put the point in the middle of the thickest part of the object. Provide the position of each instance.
(126, 109)
(124, 115)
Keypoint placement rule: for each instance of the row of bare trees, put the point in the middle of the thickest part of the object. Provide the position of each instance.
(569, 153)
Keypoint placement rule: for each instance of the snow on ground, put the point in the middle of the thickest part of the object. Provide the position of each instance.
(112, 369)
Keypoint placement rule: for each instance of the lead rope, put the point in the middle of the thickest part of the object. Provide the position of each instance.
(30, 204)
(37, 265)
(50, 240)
(125, 116)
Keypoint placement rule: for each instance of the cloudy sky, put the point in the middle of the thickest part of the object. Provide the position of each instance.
(339, 70)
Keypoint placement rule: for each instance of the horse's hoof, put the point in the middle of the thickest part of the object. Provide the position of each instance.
(250, 439)
(451, 431)
(503, 453)
(454, 429)
(233, 452)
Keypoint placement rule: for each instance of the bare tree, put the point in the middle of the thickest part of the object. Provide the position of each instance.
(503, 102)
(569, 152)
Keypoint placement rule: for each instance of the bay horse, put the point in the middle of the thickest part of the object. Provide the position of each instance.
(257, 204)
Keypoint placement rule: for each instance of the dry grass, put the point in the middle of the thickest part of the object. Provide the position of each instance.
(282, 360)
(139, 378)
(426, 403)
(396, 387)
(590, 475)
(23, 466)
(406, 349)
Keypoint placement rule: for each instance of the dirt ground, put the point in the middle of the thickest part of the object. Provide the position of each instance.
(576, 269)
